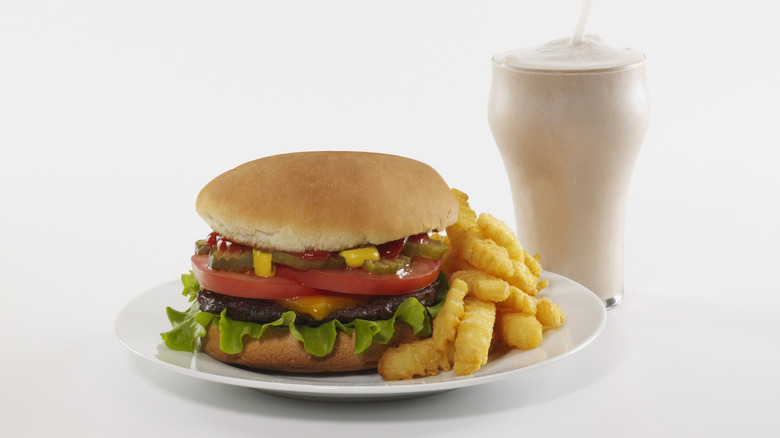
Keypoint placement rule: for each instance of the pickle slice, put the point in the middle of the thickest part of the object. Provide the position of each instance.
(293, 261)
(200, 247)
(386, 266)
(432, 249)
(230, 260)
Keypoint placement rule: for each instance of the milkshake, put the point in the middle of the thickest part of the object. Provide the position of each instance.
(569, 119)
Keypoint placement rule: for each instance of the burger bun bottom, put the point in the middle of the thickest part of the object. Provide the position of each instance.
(278, 350)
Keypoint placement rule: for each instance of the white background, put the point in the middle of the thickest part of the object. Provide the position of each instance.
(113, 115)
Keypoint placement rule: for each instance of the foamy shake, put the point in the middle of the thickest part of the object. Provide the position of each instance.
(569, 120)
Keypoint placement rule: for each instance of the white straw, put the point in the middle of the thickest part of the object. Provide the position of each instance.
(579, 31)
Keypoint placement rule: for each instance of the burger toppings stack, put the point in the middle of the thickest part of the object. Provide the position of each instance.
(317, 262)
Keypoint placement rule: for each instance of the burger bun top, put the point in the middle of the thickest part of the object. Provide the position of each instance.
(326, 200)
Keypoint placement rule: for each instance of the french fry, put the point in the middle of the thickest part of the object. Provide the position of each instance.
(453, 262)
(487, 256)
(414, 359)
(533, 264)
(465, 224)
(447, 358)
(445, 326)
(522, 278)
(465, 213)
(549, 314)
(521, 331)
(484, 286)
(475, 331)
(498, 230)
(519, 301)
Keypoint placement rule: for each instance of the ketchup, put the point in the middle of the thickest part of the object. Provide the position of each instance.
(391, 250)
(224, 244)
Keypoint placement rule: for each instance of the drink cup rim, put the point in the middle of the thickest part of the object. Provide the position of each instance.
(569, 71)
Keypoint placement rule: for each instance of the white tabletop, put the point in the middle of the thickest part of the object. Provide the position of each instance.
(113, 116)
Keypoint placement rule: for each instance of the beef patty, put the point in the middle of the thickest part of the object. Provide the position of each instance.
(262, 311)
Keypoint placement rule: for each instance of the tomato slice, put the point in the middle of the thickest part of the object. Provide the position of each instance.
(420, 273)
(247, 285)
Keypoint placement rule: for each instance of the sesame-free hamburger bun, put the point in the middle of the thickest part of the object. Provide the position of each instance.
(326, 200)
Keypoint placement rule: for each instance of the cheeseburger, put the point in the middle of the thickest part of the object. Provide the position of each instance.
(317, 261)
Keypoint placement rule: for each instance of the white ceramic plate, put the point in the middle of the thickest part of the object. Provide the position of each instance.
(142, 320)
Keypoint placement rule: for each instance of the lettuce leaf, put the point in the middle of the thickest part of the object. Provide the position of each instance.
(191, 286)
(318, 340)
(380, 332)
(231, 331)
(190, 325)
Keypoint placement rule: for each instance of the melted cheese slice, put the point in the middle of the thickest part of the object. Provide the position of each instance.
(321, 306)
